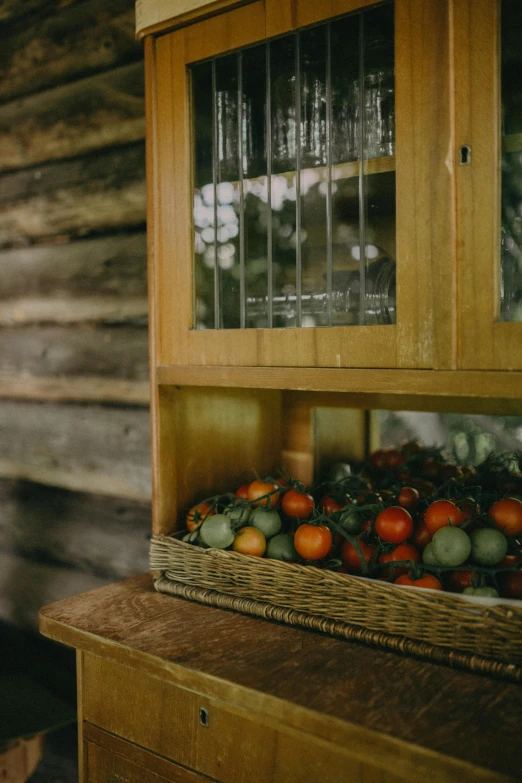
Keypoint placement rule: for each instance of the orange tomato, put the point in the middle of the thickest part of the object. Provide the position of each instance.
(264, 492)
(507, 515)
(440, 513)
(197, 515)
(250, 541)
(297, 504)
(421, 535)
(313, 542)
(425, 581)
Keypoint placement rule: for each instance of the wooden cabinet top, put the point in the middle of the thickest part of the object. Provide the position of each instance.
(417, 712)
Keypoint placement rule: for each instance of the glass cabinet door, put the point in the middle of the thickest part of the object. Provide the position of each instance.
(489, 182)
(301, 175)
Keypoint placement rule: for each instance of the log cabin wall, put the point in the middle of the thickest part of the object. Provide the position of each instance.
(74, 423)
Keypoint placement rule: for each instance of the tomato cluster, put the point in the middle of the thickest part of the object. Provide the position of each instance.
(404, 516)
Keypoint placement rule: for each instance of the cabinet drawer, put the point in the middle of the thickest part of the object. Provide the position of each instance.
(233, 747)
(108, 759)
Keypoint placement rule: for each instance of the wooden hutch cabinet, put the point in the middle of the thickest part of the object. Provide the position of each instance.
(331, 231)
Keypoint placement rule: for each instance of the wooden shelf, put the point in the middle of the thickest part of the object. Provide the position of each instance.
(444, 390)
(348, 170)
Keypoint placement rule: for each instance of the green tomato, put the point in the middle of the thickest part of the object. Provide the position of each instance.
(268, 522)
(428, 556)
(488, 546)
(217, 531)
(239, 514)
(282, 547)
(351, 522)
(485, 592)
(451, 546)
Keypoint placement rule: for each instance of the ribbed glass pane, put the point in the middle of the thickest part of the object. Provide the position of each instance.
(511, 228)
(228, 189)
(255, 186)
(294, 202)
(204, 229)
(345, 136)
(314, 175)
(283, 180)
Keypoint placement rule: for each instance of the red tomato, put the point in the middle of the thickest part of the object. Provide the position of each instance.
(378, 459)
(509, 561)
(401, 552)
(394, 525)
(459, 580)
(258, 489)
(350, 557)
(425, 581)
(329, 505)
(408, 497)
(421, 535)
(512, 585)
(440, 513)
(394, 459)
(298, 504)
(313, 542)
(507, 514)
(197, 514)
(242, 492)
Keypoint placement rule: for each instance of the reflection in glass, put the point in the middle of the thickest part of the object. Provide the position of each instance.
(511, 228)
(294, 199)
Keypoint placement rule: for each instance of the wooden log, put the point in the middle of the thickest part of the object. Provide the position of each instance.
(86, 38)
(91, 448)
(101, 191)
(104, 536)
(100, 111)
(105, 364)
(103, 279)
(14, 9)
(25, 587)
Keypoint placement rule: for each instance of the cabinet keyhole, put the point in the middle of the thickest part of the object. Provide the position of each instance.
(465, 155)
(203, 717)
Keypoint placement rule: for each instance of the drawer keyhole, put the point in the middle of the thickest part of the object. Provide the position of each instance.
(203, 717)
(465, 155)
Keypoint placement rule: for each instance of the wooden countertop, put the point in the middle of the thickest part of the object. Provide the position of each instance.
(332, 688)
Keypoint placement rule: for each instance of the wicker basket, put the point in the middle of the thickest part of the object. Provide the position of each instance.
(483, 635)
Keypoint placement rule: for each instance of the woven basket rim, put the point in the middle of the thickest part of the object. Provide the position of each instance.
(473, 604)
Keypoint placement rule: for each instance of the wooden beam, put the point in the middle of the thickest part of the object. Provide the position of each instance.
(105, 364)
(26, 586)
(88, 448)
(71, 43)
(104, 536)
(445, 390)
(88, 114)
(101, 191)
(92, 279)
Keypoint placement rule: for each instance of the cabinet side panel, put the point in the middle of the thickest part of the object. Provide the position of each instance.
(425, 238)
(210, 441)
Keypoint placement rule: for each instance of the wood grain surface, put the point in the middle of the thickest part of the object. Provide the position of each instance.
(64, 41)
(88, 114)
(314, 682)
(89, 448)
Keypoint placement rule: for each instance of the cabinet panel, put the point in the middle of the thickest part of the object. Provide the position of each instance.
(232, 747)
(120, 761)
(485, 342)
(423, 195)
